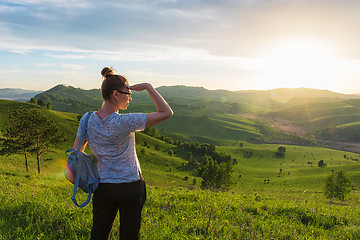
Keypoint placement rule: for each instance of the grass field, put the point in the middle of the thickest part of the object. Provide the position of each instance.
(36, 206)
(272, 198)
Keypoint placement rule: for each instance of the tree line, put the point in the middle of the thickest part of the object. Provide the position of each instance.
(41, 103)
(215, 168)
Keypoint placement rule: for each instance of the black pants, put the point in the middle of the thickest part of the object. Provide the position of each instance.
(108, 199)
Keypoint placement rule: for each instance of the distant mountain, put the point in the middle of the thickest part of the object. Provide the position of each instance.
(17, 94)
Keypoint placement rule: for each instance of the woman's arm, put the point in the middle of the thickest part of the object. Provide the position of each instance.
(83, 145)
(164, 110)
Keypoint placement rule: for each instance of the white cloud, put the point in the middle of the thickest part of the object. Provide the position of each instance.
(61, 55)
(20, 51)
(74, 66)
(46, 65)
(11, 9)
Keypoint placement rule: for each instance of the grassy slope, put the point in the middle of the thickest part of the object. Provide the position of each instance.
(212, 128)
(300, 169)
(67, 122)
(39, 207)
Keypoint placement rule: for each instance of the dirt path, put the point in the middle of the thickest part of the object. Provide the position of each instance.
(283, 125)
(288, 127)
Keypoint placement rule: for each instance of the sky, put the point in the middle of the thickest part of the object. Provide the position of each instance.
(223, 44)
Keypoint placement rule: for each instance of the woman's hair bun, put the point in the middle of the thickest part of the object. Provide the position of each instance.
(107, 71)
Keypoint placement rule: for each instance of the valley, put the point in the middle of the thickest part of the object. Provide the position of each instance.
(271, 197)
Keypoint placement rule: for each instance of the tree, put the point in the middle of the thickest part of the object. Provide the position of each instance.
(33, 101)
(48, 105)
(17, 135)
(216, 176)
(280, 152)
(45, 134)
(30, 131)
(337, 185)
(41, 103)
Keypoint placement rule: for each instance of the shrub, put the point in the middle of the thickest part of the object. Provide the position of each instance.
(216, 176)
(321, 164)
(337, 186)
(280, 152)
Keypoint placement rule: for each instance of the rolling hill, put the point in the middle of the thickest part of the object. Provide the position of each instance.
(203, 115)
(199, 112)
(68, 98)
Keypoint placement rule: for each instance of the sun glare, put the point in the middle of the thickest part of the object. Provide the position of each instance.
(299, 63)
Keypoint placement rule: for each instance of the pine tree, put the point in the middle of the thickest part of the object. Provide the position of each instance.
(17, 135)
(30, 131)
(45, 134)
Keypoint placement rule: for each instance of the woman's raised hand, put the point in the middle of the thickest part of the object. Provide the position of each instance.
(140, 86)
(164, 110)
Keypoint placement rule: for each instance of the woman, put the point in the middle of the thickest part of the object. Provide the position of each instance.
(111, 138)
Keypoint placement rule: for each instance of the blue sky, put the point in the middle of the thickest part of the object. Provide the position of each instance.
(233, 45)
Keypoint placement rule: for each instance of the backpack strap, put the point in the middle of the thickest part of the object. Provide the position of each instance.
(84, 129)
(77, 178)
(76, 185)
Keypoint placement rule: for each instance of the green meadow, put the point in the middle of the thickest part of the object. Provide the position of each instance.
(271, 197)
(288, 207)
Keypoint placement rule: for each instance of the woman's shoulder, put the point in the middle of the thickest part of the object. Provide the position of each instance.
(131, 116)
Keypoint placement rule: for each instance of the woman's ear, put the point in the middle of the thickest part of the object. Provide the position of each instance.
(115, 93)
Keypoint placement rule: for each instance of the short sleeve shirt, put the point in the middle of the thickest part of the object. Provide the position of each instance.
(112, 141)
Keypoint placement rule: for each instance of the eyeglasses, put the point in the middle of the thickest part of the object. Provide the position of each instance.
(127, 93)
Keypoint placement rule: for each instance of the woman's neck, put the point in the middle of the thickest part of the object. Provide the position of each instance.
(106, 110)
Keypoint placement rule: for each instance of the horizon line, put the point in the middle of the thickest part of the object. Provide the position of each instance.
(181, 85)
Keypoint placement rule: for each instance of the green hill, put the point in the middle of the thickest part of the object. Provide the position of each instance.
(70, 99)
(199, 112)
(190, 105)
(211, 129)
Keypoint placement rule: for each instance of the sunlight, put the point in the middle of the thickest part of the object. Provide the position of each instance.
(300, 63)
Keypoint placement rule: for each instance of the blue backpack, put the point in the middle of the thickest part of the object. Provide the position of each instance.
(81, 169)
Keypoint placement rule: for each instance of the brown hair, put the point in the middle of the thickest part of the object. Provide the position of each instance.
(111, 82)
